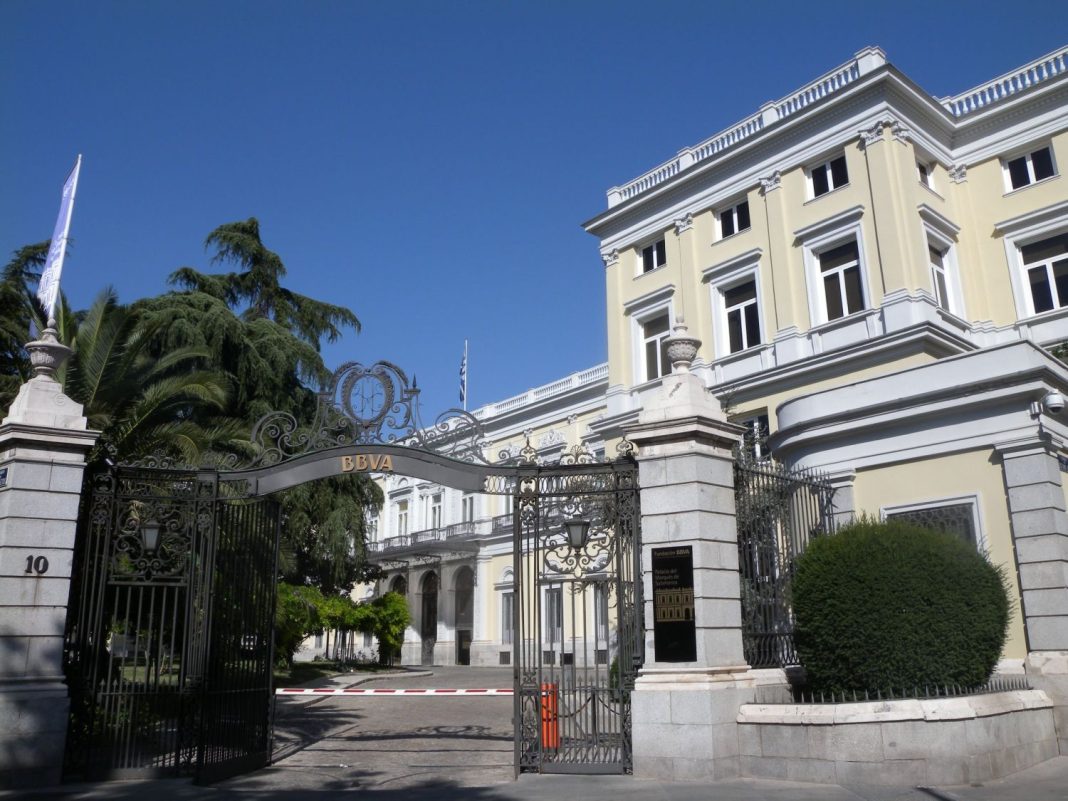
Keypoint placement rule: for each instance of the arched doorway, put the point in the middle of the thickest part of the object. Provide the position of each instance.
(464, 590)
(428, 620)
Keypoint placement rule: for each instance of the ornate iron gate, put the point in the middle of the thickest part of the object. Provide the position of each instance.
(170, 631)
(578, 616)
(779, 511)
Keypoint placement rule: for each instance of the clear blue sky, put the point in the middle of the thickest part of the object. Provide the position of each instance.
(427, 164)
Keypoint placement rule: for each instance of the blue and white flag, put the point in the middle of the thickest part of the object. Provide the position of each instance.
(463, 377)
(48, 289)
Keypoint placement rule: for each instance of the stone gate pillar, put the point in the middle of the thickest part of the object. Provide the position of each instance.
(684, 713)
(43, 444)
(1036, 504)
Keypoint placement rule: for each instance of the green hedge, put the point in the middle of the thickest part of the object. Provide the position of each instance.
(891, 605)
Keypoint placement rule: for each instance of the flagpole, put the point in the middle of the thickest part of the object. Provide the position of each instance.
(465, 375)
(48, 288)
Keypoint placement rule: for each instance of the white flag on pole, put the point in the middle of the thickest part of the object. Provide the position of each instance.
(463, 378)
(48, 289)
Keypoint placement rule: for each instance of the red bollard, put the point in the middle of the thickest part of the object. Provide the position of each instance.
(550, 724)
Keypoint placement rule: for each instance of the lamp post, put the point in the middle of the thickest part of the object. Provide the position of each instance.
(578, 530)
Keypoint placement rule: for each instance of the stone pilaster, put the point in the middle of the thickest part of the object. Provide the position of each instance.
(843, 504)
(685, 714)
(43, 444)
(1040, 540)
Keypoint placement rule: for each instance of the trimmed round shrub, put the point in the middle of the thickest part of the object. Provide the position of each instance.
(895, 606)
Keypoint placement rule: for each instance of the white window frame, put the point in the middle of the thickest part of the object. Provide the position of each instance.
(972, 500)
(731, 212)
(467, 507)
(825, 166)
(639, 252)
(404, 510)
(725, 276)
(642, 310)
(602, 628)
(548, 629)
(436, 501)
(1026, 230)
(507, 621)
(1026, 154)
(941, 233)
(925, 173)
(827, 235)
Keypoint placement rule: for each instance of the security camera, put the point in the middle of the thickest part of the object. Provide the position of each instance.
(1053, 402)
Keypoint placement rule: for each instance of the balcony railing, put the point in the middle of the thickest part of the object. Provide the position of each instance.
(454, 532)
(1011, 83)
(573, 381)
(864, 62)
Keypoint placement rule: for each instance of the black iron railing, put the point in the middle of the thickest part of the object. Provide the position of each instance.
(779, 511)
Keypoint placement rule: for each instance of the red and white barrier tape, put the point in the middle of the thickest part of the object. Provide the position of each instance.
(387, 693)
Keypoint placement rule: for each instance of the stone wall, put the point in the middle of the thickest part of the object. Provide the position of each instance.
(909, 742)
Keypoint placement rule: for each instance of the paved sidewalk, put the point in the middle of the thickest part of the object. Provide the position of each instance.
(349, 760)
(1046, 782)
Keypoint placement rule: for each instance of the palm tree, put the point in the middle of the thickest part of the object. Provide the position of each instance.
(143, 405)
(257, 289)
(16, 303)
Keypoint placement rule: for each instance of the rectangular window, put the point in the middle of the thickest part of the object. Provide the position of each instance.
(829, 175)
(435, 511)
(1029, 168)
(468, 508)
(600, 611)
(958, 519)
(654, 335)
(924, 172)
(754, 444)
(507, 611)
(402, 518)
(554, 615)
(653, 256)
(840, 269)
(1046, 268)
(743, 317)
(734, 219)
(938, 276)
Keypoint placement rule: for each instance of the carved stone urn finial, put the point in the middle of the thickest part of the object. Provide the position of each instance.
(681, 347)
(47, 354)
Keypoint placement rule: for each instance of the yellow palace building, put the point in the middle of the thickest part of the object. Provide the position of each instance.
(876, 276)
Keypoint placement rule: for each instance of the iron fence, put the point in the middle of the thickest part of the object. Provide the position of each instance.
(779, 511)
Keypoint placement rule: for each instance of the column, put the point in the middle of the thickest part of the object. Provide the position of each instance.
(1040, 538)
(481, 637)
(684, 713)
(43, 444)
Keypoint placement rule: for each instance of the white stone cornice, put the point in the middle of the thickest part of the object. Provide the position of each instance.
(869, 136)
(610, 257)
(747, 259)
(772, 182)
(958, 173)
(843, 218)
(683, 224)
(938, 221)
(1034, 219)
(900, 133)
(658, 295)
